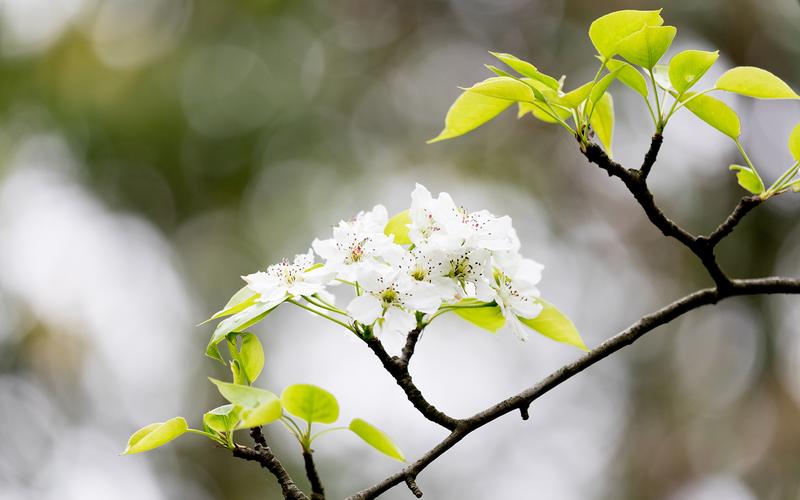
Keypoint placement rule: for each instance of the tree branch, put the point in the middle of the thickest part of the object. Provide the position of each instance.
(317, 491)
(627, 337)
(398, 368)
(263, 456)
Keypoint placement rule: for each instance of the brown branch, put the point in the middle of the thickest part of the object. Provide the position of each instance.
(651, 155)
(317, 491)
(398, 368)
(263, 456)
(627, 337)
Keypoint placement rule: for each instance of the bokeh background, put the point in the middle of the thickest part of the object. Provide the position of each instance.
(152, 151)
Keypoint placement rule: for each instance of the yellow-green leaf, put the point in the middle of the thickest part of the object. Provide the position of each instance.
(607, 31)
(376, 438)
(252, 356)
(541, 112)
(155, 435)
(259, 407)
(398, 227)
(602, 85)
(524, 68)
(602, 121)
(755, 82)
(574, 98)
(714, 112)
(239, 322)
(240, 301)
(748, 179)
(311, 403)
(687, 67)
(486, 315)
(554, 324)
(222, 419)
(794, 142)
(503, 87)
(629, 76)
(646, 46)
(468, 112)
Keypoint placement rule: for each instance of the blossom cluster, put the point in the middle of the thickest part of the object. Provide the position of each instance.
(432, 258)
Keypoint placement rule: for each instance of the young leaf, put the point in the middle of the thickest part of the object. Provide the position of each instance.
(542, 113)
(687, 67)
(376, 438)
(574, 98)
(602, 121)
(155, 435)
(252, 356)
(497, 71)
(794, 142)
(503, 87)
(748, 179)
(240, 301)
(468, 112)
(238, 323)
(755, 82)
(646, 47)
(524, 68)
(398, 226)
(259, 407)
(486, 315)
(629, 76)
(602, 85)
(606, 32)
(223, 418)
(554, 324)
(311, 403)
(714, 112)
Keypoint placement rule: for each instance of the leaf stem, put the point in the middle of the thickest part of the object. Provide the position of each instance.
(747, 160)
(319, 313)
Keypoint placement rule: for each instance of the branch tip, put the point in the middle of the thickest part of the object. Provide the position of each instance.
(412, 485)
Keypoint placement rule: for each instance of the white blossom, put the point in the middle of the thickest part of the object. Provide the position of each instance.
(289, 279)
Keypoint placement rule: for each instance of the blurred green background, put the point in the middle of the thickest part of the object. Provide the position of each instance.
(152, 151)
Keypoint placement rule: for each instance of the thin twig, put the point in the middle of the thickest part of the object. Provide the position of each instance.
(263, 456)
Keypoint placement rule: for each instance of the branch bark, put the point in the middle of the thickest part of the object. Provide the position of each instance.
(317, 491)
(398, 368)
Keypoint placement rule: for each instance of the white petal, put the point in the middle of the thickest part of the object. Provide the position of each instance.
(517, 327)
(364, 309)
(398, 321)
(423, 297)
(326, 249)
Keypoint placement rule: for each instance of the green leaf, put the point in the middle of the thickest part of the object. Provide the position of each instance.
(311, 403)
(252, 356)
(527, 69)
(602, 121)
(468, 112)
(486, 315)
(155, 435)
(238, 323)
(376, 438)
(259, 407)
(748, 179)
(497, 71)
(223, 418)
(602, 85)
(714, 112)
(503, 87)
(398, 226)
(240, 301)
(687, 67)
(574, 98)
(755, 82)
(541, 112)
(794, 142)
(646, 47)
(606, 32)
(554, 324)
(629, 75)
(524, 68)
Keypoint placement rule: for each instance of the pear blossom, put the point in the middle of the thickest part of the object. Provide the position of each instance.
(289, 279)
(356, 244)
(516, 293)
(390, 299)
